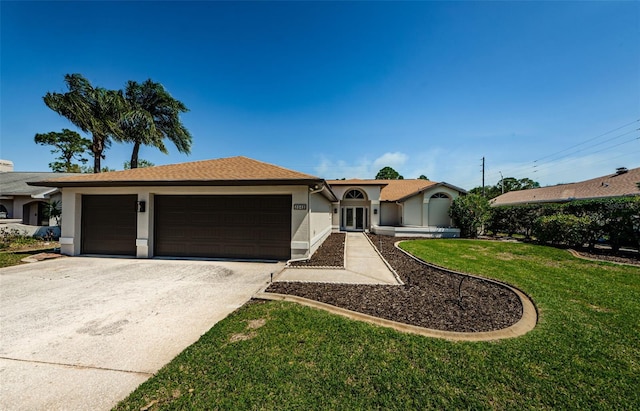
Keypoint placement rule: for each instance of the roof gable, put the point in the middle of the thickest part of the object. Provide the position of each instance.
(395, 190)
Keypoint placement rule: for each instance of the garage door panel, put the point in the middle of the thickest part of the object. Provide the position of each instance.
(251, 227)
(109, 224)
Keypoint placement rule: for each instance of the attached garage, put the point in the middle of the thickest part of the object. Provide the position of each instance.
(223, 226)
(109, 224)
(232, 208)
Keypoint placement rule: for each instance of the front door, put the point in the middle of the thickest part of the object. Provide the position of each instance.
(354, 218)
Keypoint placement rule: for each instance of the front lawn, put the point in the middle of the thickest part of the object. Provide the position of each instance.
(583, 354)
(8, 259)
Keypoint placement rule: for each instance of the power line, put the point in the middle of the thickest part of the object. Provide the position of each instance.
(589, 140)
(529, 168)
(587, 148)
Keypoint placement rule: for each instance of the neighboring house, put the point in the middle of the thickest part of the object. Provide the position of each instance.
(395, 207)
(622, 183)
(23, 203)
(237, 208)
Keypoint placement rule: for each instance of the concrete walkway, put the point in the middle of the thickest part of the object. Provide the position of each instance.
(363, 265)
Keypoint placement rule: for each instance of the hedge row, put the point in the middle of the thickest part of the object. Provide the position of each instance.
(615, 221)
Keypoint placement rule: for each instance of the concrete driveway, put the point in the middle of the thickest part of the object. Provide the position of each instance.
(82, 333)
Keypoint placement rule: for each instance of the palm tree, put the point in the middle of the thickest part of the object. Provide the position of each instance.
(152, 116)
(94, 110)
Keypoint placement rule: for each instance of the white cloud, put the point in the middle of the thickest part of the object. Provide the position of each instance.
(394, 160)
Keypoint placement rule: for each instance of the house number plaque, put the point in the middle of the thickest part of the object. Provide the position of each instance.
(299, 206)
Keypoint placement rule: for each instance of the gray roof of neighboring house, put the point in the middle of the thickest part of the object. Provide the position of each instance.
(14, 183)
(621, 184)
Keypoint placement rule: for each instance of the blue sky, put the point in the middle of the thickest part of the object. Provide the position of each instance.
(342, 89)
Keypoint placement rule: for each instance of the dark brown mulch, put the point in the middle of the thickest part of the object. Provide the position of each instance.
(431, 297)
(329, 254)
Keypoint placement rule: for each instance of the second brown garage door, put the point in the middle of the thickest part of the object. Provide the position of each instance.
(234, 226)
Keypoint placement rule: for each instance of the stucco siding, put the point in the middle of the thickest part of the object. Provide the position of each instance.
(8, 204)
(371, 192)
(319, 220)
(72, 197)
(389, 214)
(412, 211)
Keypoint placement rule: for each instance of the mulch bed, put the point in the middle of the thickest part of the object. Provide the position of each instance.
(627, 257)
(329, 254)
(430, 297)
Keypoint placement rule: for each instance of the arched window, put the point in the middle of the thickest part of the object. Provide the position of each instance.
(354, 195)
(439, 195)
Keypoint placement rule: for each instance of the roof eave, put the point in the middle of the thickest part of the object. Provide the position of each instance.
(562, 200)
(164, 183)
(422, 190)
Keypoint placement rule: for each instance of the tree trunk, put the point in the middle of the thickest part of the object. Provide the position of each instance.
(96, 148)
(96, 162)
(134, 155)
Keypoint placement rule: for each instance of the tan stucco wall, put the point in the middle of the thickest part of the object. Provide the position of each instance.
(371, 192)
(438, 213)
(389, 214)
(417, 210)
(371, 202)
(70, 240)
(320, 218)
(412, 211)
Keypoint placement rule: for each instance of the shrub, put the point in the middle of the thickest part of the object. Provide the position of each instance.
(613, 220)
(565, 229)
(14, 238)
(470, 213)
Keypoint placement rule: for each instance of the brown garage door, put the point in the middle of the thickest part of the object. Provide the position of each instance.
(243, 227)
(109, 224)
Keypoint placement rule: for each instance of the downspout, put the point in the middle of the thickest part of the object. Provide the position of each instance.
(307, 257)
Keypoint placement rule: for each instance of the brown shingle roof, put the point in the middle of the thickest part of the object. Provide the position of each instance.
(613, 185)
(223, 171)
(392, 190)
(401, 189)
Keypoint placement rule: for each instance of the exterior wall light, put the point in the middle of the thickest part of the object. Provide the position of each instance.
(335, 211)
(375, 211)
(141, 206)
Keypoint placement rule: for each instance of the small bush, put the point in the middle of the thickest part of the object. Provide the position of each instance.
(565, 229)
(14, 238)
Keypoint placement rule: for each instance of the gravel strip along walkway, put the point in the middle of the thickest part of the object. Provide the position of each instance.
(329, 254)
(431, 297)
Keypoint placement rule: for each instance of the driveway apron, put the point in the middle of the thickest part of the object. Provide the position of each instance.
(82, 333)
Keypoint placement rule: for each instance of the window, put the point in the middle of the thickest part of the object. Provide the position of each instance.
(439, 195)
(354, 195)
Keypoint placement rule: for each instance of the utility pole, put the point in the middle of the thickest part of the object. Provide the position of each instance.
(483, 192)
(502, 181)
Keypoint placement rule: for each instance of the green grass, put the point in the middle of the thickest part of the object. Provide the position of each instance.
(583, 354)
(8, 259)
